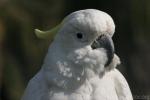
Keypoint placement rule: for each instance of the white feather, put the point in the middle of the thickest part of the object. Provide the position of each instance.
(72, 70)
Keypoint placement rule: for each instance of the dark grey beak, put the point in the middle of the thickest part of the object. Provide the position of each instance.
(105, 41)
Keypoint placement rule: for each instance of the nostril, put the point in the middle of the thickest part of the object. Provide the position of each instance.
(100, 37)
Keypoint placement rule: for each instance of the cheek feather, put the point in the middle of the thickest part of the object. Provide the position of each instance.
(89, 59)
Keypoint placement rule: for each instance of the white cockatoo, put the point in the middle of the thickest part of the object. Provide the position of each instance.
(80, 63)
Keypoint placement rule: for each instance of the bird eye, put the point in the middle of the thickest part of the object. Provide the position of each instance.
(79, 35)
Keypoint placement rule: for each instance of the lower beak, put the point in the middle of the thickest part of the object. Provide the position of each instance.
(105, 41)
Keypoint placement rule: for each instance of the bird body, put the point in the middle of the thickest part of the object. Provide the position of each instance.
(112, 86)
(81, 62)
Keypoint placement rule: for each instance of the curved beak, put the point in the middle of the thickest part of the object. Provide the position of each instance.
(105, 41)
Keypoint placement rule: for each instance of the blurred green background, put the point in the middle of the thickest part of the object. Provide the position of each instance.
(22, 54)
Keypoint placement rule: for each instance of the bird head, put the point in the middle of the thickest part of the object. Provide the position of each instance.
(84, 38)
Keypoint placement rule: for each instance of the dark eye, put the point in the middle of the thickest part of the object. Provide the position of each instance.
(79, 35)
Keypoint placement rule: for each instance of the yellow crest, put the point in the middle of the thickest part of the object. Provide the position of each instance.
(47, 34)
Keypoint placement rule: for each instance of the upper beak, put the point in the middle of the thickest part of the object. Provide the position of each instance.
(105, 41)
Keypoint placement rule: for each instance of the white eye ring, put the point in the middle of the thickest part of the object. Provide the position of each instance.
(81, 37)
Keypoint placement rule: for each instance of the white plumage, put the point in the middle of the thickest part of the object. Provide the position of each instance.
(80, 63)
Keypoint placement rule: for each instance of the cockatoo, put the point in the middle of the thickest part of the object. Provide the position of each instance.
(81, 62)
